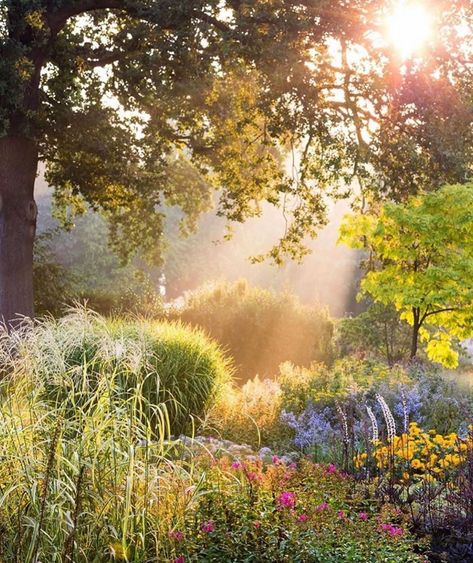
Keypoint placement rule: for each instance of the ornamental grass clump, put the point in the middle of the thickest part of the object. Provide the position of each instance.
(84, 355)
(87, 405)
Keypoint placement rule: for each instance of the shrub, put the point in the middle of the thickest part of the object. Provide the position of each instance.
(251, 414)
(377, 333)
(54, 285)
(321, 384)
(173, 366)
(259, 327)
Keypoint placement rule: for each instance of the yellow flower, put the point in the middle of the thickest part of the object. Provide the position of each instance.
(417, 464)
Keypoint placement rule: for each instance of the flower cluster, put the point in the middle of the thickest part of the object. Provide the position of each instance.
(313, 427)
(419, 454)
(306, 504)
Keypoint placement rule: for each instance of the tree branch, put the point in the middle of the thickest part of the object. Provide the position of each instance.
(58, 18)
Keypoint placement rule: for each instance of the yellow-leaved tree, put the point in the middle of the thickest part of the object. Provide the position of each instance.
(421, 261)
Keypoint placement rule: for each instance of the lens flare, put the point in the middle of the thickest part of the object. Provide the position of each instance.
(409, 28)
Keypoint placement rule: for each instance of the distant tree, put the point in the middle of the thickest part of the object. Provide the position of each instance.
(135, 103)
(421, 261)
(377, 332)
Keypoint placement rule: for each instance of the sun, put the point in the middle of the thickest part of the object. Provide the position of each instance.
(408, 28)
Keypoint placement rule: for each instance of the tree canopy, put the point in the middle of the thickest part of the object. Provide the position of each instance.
(138, 102)
(421, 261)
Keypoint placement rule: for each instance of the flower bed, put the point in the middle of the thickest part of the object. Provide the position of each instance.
(246, 509)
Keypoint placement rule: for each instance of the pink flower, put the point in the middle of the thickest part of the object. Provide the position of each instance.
(363, 516)
(208, 527)
(331, 468)
(322, 507)
(176, 535)
(257, 524)
(287, 500)
(252, 476)
(391, 530)
(237, 465)
(341, 515)
(275, 459)
(302, 517)
(180, 559)
(292, 466)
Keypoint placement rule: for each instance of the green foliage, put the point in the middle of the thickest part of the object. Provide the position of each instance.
(79, 266)
(214, 93)
(377, 332)
(319, 522)
(324, 385)
(173, 367)
(54, 285)
(260, 328)
(421, 261)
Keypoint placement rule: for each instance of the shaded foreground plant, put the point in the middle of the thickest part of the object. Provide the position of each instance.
(86, 412)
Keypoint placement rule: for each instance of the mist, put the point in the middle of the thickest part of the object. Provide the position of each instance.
(329, 275)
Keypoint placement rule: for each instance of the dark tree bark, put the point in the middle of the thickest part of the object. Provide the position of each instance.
(18, 211)
(415, 333)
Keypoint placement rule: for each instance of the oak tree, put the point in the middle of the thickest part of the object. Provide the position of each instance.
(131, 104)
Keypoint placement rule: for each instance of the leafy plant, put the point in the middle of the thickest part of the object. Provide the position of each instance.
(421, 262)
(377, 332)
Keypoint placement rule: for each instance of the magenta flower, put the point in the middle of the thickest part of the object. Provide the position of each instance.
(257, 524)
(176, 535)
(341, 515)
(208, 527)
(331, 468)
(292, 466)
(363, 516)
(180, 559)
(252, 476)
(322, 507)
(287, 500)
(275, 459)
(237, 465)
(302, 517)
(393, 531)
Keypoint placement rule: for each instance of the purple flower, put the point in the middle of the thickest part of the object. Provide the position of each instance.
(286, 500)
(237, 465)
(208, 527)
(313, 427)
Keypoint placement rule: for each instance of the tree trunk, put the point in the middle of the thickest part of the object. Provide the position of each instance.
(415, 334)
(18, 211)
